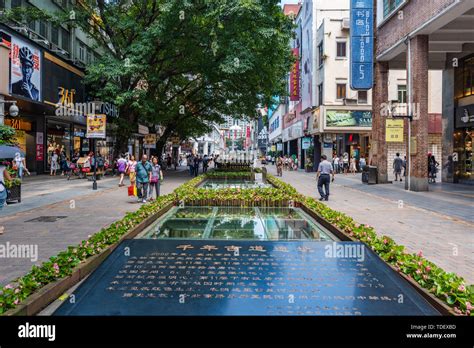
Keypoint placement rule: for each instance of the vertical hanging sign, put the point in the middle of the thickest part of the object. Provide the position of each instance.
(295, 78)
(362, 44)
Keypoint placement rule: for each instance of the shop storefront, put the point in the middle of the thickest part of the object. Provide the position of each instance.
(348, 130)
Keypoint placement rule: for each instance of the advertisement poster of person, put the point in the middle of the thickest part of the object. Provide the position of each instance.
(96, 126)
(25, 70)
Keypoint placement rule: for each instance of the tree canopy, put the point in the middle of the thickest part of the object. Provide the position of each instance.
(182, 64)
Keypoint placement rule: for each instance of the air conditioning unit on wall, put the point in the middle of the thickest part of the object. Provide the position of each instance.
(346, 24)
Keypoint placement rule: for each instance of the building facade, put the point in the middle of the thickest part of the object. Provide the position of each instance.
(420, 36)
(52, 98)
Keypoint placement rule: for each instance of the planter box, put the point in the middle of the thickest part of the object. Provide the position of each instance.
(14, 194)
(344, 236)
(40, 299)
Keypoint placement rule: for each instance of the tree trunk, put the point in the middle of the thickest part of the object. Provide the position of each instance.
(125, 126)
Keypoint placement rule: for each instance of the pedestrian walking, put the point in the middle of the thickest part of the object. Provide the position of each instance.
(197, 160)
(397, 166)
(20, 165)
(353, 166)
(143, 171)
(131, 170)
(4, 175)
(432, 168)
(205, 163)
(362, 163)
(324, 178)
(190, 160)
(345, 163)
(335, 163)
(122, 168)
(279, 165)
(156, 178)
(54, 165)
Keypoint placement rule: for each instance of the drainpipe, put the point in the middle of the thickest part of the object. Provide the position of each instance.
(410, 111)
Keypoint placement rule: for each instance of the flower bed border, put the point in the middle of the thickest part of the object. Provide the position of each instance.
(45, 295)
(344, 236)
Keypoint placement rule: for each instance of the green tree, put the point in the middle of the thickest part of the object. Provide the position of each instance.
(183, 64)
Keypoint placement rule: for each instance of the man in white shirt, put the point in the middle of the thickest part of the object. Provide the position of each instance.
(323, 175)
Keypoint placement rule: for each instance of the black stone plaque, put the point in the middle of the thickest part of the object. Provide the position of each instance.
(217, 277)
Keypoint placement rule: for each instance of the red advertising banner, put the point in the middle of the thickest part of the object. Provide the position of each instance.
(39, 152)
(295, 78)
(247, 137)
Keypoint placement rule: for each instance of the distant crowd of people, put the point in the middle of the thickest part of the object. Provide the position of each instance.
(196, 161)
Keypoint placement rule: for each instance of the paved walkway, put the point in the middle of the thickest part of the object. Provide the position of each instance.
(83, 213)
(440, 223)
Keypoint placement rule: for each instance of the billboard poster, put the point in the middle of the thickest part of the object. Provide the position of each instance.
(25, 69)
(345, 118)
(96, 126)
(149, 141)
(393, 131)
(295, 78)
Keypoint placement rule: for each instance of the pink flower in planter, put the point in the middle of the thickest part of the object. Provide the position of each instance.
(17, 290)
(385, 241)
(457, 311)
(420, 254)
(420, 263)
(56, 268)
(462, 288)
(469, 306)
(425, 276)
(17, 301)
(418, 271)
(8, 286)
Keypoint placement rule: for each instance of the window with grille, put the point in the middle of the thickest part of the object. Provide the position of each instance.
(43, 29)
(320, 94)
(341, 49)
(402, 94)
(341, 91)
(55, 35)
(320, 54)
(65, 40)
(389, 6)
(362, 97)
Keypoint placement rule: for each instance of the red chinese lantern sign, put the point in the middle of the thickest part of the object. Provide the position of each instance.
(295, 78)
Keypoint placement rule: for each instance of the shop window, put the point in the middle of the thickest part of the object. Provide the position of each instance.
(402, 94)
(16, 3)
(468, 77)
(341, 49)
(362, 97)
(58, 139)
(341, 91)
(2, 3)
